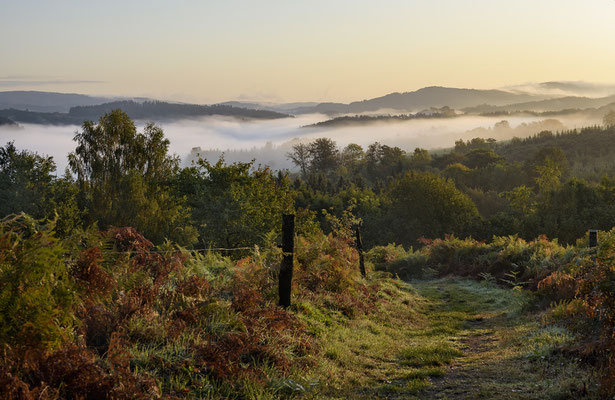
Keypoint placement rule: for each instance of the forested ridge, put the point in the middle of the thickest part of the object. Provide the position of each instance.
(147, 110)
(130, 276)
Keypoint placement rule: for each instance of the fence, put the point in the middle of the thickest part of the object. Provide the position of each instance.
(288, 251)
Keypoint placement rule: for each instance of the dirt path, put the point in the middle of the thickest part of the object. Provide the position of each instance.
(452, 339)
(506, 354)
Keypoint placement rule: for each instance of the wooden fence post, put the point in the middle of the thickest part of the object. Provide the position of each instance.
(359, 244)
(593, 237)
(286, 268)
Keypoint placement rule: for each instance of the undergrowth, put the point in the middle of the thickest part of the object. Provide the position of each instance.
(108, 315)
(573, 285)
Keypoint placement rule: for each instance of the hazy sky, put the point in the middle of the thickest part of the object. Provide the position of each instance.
(287, 50)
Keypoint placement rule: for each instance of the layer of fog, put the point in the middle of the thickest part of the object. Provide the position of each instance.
(269, 141)
(565, 88)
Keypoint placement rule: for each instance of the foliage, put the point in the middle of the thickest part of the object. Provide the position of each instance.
(234, 205)
(125, 319)
(509, 259)
(36, 296)
(125, 176)
(423, 204)
(25, 181)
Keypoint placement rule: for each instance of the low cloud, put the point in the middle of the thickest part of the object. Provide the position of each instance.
(268, 141)
(565, 88)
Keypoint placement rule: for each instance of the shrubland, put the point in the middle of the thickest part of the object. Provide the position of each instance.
(571, 286)
(110, 315)
(131, 277)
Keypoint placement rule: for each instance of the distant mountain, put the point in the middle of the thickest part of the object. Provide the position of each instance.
(148, 110)
(562, 103)
(289, 108)
(69, 107)
(7, 122)
(46, 101)
(160, 110)
(425, 98)
(433, 96)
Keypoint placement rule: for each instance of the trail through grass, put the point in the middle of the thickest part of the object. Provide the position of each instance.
(450, 339)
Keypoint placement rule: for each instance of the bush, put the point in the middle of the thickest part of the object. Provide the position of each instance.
(36, 296)
(125, 319)
(509, 259)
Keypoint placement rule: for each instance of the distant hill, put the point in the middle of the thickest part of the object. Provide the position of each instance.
(288, 108)
(4, 122)
(348, 120)
(473, 101)
(46, 101)
(159, 110)
(562, 103)
(433, 96)
(149, 110)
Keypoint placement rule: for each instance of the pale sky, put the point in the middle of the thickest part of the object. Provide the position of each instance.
(290, 50)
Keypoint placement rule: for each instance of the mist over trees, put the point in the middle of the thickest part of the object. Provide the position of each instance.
(481, 187)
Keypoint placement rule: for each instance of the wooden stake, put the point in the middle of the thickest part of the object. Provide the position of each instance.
(359, 244)
(593, 237)
(286, 268)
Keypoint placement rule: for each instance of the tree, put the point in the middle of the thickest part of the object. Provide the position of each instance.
(27, 184)
(233, 205)
(25, 181)
(300, 156)
(549, 154)
(609, 119)
(420, 158)
(324, 155)
(549, 176)
(521, 199)
(383, 160)
(352, 155)
(425, 205)
(481, 157)
(125, 178)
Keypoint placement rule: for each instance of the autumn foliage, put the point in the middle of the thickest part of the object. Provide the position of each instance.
(109, 315)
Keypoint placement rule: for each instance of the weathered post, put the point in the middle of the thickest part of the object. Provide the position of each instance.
(593, 237)
(359, 244)
(286, 268)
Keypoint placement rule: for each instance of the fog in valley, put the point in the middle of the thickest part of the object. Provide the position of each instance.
(268, 141)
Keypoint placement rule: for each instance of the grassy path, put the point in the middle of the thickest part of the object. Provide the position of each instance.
(451, 339)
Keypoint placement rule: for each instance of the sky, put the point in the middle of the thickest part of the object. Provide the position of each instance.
(290, 50)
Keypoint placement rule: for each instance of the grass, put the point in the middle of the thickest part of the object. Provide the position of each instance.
(446, 338)
(435, 354)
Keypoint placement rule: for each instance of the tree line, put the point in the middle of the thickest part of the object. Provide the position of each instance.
(554, 184)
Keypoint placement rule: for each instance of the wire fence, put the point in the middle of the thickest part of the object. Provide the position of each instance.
(201, 250)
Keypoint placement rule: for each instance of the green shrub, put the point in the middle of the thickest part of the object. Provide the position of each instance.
(36, 295)
(508, 259)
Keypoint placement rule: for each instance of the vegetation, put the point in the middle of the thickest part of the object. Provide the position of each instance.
(7, 122)
(131, 277)
(147, 110)
(444, 112)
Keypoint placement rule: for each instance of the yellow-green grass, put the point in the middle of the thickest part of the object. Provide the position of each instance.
(446, 338)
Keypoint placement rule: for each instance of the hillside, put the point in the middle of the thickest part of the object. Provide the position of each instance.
(549, 105)
(151, 111)
(46, 101)
(433, 96)
(468, 100)
(350, 120)
(6, 122)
